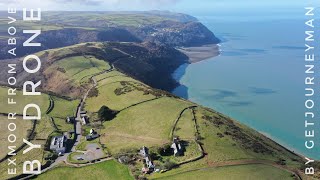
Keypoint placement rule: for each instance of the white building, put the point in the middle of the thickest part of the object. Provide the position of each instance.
(58, 144)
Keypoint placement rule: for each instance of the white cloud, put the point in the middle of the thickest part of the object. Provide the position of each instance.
(80, 2)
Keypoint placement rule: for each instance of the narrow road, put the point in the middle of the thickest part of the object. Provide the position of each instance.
(80, 107)
(78, 125)
(123, 52)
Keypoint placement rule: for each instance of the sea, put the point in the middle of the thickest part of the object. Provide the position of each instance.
(258, 79)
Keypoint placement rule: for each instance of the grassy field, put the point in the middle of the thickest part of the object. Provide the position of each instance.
(21, 131)
(228, 148)
(110, 170)
(42, 101)
(44, 127)
(218, 149)
(35, 154)
(185, 128)
(62, 125)
(129, 94)
(71, 158)
(146, 118)
(43, 130)
(71, 76)
(191, 151)
(110, 76)
(63, 108)
(147, 124)
(247, 172)
(224, 139)
(79, 68)
(86, 19)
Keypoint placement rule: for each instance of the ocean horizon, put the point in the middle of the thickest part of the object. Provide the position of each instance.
(258, 79)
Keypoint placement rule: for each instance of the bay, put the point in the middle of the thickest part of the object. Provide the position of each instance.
(258, 79)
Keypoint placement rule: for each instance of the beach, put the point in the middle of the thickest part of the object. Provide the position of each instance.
(200, 53)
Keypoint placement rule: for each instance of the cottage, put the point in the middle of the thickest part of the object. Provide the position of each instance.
(93, 135)
(85, 120)
(70, 119)
(144, 152)
(58, 144)
(177, 148)
(149, 163)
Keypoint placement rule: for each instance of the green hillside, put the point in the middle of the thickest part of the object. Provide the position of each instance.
(110, 170)
(214, 145)
(38, 133)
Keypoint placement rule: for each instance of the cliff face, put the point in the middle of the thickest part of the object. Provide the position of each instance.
(148, 62)
(177, 34)
(168, 29)
(66, 37)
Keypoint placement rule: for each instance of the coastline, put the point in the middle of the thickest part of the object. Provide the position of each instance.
(199, 53)
(194, 54)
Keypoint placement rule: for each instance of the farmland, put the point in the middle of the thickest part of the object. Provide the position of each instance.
(79, 68)
(129, 93)
(108, 170)
(21, 131)
(248, 172)
(44, 128)
(144, 116)
(41, 134)
(133, 127)
(22, 101)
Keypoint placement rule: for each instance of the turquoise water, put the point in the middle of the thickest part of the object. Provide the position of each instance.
(258, 79)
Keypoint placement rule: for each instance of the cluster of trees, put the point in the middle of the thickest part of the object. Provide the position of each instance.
(106, 114)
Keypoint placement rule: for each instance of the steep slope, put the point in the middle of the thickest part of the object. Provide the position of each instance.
(145, 62)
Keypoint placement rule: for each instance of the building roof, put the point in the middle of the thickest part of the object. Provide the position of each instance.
(85, 119)
(92, 136)
(144, 151)
(176, 146)
(70, 119)
(58, 142)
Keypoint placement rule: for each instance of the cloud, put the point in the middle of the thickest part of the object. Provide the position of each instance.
(90, 5)
(7, 2)
(80, 2)
(119, 3)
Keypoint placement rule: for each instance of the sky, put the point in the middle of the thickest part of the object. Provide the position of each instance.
(186, 6)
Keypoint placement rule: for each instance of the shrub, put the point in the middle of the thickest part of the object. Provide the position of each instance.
(106, 114)
(61, 70)
(168, 164)
(94, 92)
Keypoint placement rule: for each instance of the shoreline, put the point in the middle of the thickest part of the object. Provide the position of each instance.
(200, 53)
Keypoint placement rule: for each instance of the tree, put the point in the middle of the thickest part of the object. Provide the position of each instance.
(169, 164)
(106, 114)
